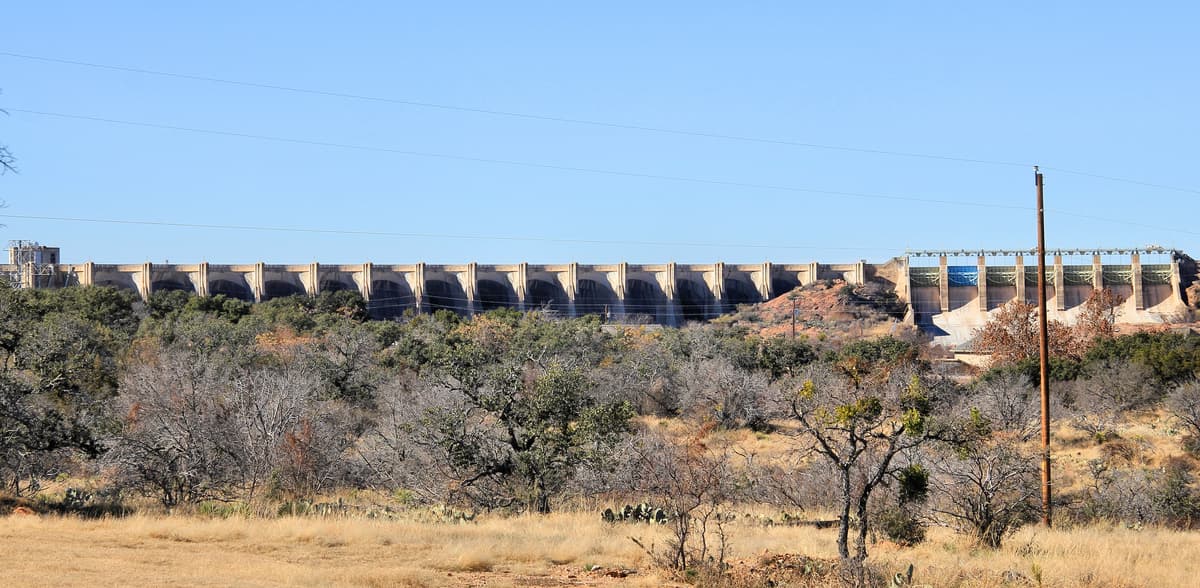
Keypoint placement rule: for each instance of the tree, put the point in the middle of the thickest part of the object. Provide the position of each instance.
(344, 360)
(1012, 335)
(1009, 402)
(1172, 357)
(1184, 404)
(860, 425)
(37, 437)
(7, 161)
(1098, 319)
(16, 319)
(169, 441)
(512, 414)
(226, 422)
(1110, 389)
(716, 389)
(519, 441)
(58, 368)
(784, 356)
(695, 477)
(986, 487)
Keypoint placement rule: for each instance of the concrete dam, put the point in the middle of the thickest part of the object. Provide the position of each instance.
(944, 296)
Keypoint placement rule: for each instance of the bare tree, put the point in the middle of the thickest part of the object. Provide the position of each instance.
(1098, 319)
(264, 409)
(1110, 390)
(645, 375)
(203, 426)
(1009, 402)
(1159, 495)
(7, 161)
(1184, 404)
(986, 488)
(168, 445)
(719, 390)
(695, 478)
(386, 448)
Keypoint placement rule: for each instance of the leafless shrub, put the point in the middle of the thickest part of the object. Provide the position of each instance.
(795, 483)
(645, 376)
(986, 490)
(1101, 400)
(1009, 403)
(1184, 404)
(717, 389)
(1161, 496)
(202, 427)
(696, 480)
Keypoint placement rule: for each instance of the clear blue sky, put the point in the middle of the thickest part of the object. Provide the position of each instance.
(1108, 88)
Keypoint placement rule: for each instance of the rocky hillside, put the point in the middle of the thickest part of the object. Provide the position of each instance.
(827, 310)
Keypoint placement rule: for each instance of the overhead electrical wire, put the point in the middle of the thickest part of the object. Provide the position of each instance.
(506, 113)
(621, 173)
(581, 121)
(433, 235)
(510, 162)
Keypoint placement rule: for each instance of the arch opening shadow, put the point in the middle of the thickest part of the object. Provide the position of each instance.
(336, 285)
(783, 284)
(172, 283)
(595, 297)
(642, 299)
(231, 289)
(443, 294)
(493, 294)
(389, 299)
(546, 295)
(695, 300)
(280, 289)
(741, 291)
(118, 284)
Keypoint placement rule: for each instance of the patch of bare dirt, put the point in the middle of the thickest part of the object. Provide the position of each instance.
(826, 309)
(562, 576)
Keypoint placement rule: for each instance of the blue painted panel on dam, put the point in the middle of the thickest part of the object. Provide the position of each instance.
(963, 275)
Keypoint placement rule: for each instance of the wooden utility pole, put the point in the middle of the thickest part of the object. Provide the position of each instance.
(794, 302)
(1044, 348)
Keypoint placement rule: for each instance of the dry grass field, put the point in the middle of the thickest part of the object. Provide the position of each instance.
(558, 550)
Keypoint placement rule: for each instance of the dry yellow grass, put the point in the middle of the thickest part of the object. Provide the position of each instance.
(526, 551)
(182, 551)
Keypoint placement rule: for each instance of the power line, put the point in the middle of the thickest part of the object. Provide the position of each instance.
(582, 121)
(620, 173)
(1123, 180)
(1120, 221)
(431, 235)
(509, 162)
(398, 234)
(511, 114)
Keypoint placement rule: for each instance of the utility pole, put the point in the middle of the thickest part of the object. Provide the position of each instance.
(1044, 348)
(794, 303)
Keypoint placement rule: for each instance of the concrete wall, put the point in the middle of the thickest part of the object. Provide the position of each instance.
(949, 301)
(667, 293)
(950, 310)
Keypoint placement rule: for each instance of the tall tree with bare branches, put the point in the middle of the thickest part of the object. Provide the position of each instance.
(7, 161)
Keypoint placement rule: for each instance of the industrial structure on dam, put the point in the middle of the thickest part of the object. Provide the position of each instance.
(944, 295)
